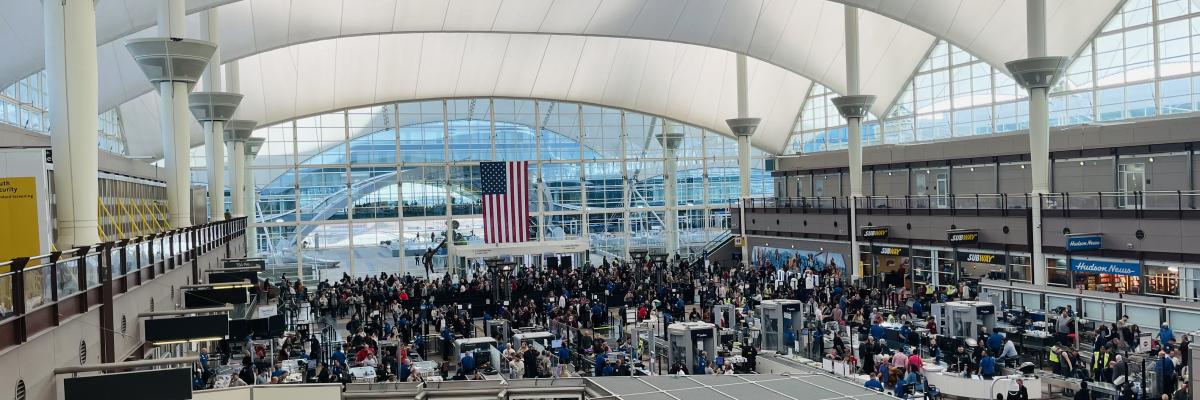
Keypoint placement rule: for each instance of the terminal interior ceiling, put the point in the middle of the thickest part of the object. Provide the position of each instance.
(293, 183)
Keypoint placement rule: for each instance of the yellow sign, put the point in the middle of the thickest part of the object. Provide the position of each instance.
(18, 210)
(737, 241)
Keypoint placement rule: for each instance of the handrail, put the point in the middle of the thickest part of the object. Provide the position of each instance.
(1137, 201)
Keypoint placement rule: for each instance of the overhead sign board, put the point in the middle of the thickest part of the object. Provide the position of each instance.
(259, 263)
(874, 232)
(891, 251)
(1105, 267)
(1084, 241)
(186, 328)
(982, 258)
(155, 384)
(958, 237)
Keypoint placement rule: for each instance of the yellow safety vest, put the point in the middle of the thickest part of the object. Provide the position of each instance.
(950, 289)
(1096, 363)
(1053, 356)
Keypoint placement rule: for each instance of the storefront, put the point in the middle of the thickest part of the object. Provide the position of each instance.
(1114, 276)
(974, 265)
(932, 266)
(890, 265)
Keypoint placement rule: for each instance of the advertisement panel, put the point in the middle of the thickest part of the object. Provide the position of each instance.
(802, 259)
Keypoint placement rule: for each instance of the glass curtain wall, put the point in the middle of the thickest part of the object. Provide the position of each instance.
(1144, 62)
(373, 189)
(24, 104)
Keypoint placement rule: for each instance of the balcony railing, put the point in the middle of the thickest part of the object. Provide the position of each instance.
(1095, 202)
(36, 293)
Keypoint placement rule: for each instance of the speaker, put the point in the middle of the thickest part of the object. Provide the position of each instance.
(552, 263)
(566, 262)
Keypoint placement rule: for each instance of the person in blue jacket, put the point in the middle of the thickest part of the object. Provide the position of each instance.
(468, 364)
(877, 331)
(874, 383)
(405, 371)
(995, 342)
(701, 363)
(599, 363)
(1165, 334)
(987, 365)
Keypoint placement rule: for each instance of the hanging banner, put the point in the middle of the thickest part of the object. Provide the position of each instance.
(19, 210)
(1084, 241)
(962, 236)
(1105, 267)
(802, 259)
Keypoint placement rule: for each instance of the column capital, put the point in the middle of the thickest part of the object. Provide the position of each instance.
(743, 126)
(213, 106)
(171, 59)
(239, 130)
(853, 106)
(670, 140)
(1037, 72)
(253, 145)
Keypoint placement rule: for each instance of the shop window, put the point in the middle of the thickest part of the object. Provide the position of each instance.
(1020, 269)
(1056, 270)
(1162, 280)
(921, 261)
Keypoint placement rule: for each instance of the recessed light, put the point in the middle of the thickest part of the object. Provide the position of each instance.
(1081, 163)
(972, 169)
(1151, 159)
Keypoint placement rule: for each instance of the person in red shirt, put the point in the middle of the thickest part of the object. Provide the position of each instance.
(914, 361)
(363, 352)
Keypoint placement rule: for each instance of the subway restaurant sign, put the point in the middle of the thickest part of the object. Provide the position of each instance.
(19, 211)
(982, 258)
(874, 232)
(962, 236)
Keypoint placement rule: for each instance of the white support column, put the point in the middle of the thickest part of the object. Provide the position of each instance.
(1037, 74)
(176, 147)
(237, 169)
(236, 133)
(214, 131)
(670, 139)
(743, 127)
(73, 91)
(162, 58)
(854, 107)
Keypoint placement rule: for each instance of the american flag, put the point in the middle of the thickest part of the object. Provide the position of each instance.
(505, 201)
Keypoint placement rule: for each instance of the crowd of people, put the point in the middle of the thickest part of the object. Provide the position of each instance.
(391, 320)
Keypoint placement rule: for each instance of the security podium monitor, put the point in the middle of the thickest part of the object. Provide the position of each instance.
(686, 341)
(782, 319)
(965, 318)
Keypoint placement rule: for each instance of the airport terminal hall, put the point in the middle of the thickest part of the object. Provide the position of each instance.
(599, 199)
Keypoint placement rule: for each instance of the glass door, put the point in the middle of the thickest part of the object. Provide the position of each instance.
(1132, 181)
(942, 186)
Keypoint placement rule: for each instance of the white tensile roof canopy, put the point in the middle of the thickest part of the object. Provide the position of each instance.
(673, 58)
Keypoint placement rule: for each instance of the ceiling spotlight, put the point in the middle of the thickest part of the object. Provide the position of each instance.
(1151, 159)
(972, 169)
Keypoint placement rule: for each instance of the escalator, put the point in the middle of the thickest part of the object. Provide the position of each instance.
(719, 249)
